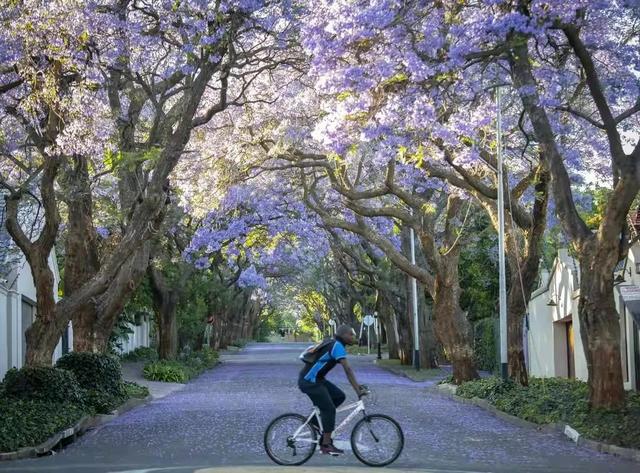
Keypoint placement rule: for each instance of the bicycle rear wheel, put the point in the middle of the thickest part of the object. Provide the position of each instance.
(280, 444)
(377, 440)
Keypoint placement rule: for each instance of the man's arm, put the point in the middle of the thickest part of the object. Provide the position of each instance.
(350, 375)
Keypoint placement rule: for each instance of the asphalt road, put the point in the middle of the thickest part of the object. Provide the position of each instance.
(217, 421)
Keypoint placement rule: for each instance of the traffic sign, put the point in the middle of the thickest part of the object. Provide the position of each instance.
(332, 322)
(368, 320)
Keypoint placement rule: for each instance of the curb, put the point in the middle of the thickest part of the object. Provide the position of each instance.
(402, 373)
(79, 428)
(392, 370)
(568, 431)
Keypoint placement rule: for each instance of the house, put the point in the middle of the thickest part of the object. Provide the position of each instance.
(553, 342)
(18, 311)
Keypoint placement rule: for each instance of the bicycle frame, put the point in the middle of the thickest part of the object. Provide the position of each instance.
(356, 406)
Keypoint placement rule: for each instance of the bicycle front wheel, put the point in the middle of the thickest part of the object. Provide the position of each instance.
(377, 440)
(288, 441)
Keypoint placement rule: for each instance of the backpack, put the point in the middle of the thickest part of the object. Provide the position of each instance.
(311, 354)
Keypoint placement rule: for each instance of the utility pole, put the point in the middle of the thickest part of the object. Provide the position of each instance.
(501, 253)
(414, 293)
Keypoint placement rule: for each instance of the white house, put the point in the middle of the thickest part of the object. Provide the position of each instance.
(18, 311)
(554, 345)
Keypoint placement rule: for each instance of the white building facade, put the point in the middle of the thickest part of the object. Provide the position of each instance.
(553, 341)
(18, 311)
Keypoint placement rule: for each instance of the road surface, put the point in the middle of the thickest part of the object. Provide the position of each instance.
(217, 421)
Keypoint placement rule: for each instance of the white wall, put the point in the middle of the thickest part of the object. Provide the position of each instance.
(546, 338)
(21, 287)
(139, 338)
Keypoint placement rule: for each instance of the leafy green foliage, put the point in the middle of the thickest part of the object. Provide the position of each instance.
(94, 371)
(100, 375)
(43, 383)
(479, 269)
(141, 354)
(187, 366)
(29, 422)
(550, 400)
(169, 371)
(134, 390)
(484, 339)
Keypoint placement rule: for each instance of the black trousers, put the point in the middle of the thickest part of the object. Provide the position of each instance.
(326, 396)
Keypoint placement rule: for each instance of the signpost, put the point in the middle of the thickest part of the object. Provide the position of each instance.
(378, 334)
(332, 330)
(368, 321)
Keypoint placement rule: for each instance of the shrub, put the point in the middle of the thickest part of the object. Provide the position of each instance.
(43, 383)
(141, 354)
(134, 390)
(550, 400)
(188, 365)
(166, 370)
(94, 371)
(29, 422)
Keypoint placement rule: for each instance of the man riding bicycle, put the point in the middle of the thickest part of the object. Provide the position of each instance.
(318, 361)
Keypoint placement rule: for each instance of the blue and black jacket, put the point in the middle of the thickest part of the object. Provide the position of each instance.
(321, 358)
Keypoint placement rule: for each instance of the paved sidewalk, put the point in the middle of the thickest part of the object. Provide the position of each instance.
(132, 371)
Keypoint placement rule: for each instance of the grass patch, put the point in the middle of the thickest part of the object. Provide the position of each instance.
(410, 372)
(550, 400)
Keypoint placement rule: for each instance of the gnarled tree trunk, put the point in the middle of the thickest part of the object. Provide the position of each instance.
(600, 325)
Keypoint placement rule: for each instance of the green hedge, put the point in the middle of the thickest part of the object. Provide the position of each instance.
(550, 400)
(36, 403)
(100, 375)
(29, 422)
(43, 383)
(181, 370)
(94, 371)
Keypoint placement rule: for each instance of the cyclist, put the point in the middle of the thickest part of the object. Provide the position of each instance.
(319, 360)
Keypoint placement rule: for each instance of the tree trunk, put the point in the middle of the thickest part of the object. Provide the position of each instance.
(81, 253)
(452, 325)
(113, 301)
(165, 302)
(387, 317)
(167, 329)
(600, 326)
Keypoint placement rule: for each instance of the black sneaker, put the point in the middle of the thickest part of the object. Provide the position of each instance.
(331, 449)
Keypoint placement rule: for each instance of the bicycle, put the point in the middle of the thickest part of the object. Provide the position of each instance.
(291, 439)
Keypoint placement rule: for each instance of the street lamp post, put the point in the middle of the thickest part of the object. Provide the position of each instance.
(501, 258)
(414, 292)
(378, 333)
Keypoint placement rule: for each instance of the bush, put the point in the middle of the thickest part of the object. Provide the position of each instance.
(141, 354)
(43, 383)
(29, 422)
(168, 371)
(551, 400)
(484, 344)
(134, 390)
(187, 366)
(94, 371)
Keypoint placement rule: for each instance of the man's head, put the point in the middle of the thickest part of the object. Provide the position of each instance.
(346, 334)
